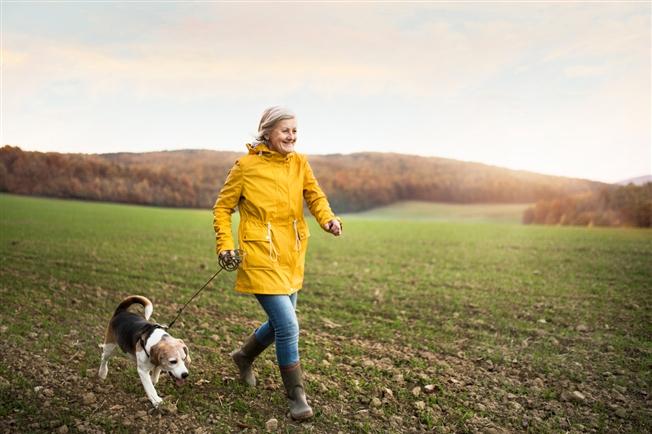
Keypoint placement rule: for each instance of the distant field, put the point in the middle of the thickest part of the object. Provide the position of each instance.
(407, 326)
(411, 210)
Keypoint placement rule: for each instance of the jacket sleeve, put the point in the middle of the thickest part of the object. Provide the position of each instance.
(225, 206)
(315, 198)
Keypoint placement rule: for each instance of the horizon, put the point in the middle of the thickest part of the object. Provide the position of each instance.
(550, 88)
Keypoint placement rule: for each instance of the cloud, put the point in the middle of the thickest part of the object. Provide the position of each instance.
(227, 49)
(326, 50)
(11, 58)
(579, 71)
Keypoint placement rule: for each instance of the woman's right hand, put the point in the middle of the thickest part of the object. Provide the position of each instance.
(225, 253)
(230, 260)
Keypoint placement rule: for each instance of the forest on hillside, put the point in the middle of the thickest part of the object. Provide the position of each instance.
(629, 205)
(193, 178)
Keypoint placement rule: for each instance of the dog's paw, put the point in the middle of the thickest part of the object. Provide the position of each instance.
(156, 401)
(103, 372)
(164, 407)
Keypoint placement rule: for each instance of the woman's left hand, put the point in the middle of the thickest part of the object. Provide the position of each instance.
(334, 227)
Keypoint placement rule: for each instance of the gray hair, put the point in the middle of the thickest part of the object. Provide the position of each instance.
(269, 119)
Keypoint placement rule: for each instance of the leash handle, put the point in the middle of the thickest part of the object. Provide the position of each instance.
(230, 260)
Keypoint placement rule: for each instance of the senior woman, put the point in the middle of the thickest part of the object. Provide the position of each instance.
(269, 186)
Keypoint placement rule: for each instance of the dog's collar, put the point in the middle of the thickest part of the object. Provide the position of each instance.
(146, 334)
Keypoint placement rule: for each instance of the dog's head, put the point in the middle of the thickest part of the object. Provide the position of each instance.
(172, 356)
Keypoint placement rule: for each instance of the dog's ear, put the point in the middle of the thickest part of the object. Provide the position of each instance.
(155, 354)
(185, 350)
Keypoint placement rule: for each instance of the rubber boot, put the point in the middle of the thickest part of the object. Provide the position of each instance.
(299, 408)
(244, 358)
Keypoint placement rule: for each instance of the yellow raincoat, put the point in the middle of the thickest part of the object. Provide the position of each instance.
(269, 188)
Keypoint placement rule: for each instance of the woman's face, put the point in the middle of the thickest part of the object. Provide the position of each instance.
(283, 136)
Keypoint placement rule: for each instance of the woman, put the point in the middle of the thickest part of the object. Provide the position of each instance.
(268, 186)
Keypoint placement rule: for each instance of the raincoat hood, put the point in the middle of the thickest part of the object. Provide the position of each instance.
(263, 149)
(255, 148)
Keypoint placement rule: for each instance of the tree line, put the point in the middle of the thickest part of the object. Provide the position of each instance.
(90, 177)
(355, 182)
(629, 205)
(362, 181)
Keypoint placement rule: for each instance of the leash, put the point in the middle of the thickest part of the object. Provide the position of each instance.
(228, 262)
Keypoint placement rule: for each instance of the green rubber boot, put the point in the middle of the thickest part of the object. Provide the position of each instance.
(299, 408)
(244, 358)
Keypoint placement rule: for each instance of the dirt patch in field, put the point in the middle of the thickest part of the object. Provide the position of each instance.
(508, 396)
(59, 393)
(376, 388)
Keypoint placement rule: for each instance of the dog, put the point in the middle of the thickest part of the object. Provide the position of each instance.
(149, 344)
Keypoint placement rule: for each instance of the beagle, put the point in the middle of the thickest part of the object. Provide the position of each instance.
(149, 344)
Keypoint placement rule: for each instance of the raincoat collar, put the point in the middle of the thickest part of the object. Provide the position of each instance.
(262, 149)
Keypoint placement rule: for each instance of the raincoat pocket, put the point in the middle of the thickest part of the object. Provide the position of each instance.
(302, 229)
(256, 244)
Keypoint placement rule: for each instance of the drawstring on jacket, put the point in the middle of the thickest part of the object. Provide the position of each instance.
(297, 239)
(273, 254)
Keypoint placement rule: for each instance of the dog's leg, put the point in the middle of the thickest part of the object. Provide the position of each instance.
(149, 387)
(107, 351)
(155, 374)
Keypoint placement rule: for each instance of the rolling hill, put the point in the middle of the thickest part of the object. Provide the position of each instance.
(353, 182)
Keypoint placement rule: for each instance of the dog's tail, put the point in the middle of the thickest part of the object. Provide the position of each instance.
(136, 299)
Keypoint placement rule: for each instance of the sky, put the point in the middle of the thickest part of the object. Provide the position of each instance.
(560, 88)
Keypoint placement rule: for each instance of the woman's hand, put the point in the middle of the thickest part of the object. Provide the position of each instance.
(227, 252)
(334, 227)
(230, 260)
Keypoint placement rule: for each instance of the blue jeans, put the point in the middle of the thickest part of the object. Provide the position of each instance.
(281, 326)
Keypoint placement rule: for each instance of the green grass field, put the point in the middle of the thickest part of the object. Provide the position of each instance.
(475, 213)
(407, 326)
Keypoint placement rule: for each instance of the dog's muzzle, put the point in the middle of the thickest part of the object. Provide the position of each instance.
(179, 381)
